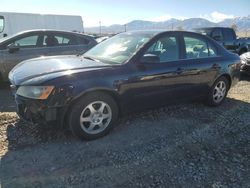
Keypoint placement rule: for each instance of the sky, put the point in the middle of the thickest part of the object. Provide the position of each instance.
(110, 12)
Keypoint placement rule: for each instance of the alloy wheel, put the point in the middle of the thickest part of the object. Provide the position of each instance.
(96, 117)
(219, 91)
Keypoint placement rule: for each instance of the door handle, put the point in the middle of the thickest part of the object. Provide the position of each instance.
(179, 71)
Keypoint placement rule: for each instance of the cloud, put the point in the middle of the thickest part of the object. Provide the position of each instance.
(217, 16)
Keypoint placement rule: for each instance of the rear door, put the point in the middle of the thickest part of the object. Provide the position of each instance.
(202, 64)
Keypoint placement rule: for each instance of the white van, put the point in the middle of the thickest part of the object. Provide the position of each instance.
(12, 23)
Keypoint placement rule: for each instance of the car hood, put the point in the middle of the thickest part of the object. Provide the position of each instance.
(47, 66)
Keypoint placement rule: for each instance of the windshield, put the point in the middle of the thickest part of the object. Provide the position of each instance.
(119, 48)
(1, 24)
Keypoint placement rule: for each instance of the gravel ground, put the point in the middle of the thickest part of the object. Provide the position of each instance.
(188, 145)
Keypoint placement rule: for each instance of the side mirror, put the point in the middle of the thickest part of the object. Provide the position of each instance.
(13, 48)
(217, 38)
(150, 58)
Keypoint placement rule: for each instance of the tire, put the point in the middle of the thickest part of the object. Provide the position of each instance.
(218, 92)
(93, 116)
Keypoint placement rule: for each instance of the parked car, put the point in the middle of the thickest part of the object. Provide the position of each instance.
(129, 72)
(31, 44)
(227, 37)
(245, 59)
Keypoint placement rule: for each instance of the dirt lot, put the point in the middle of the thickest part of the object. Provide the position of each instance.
(188, 145)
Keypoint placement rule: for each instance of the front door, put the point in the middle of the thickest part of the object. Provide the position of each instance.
(158, 83)
(20, 49)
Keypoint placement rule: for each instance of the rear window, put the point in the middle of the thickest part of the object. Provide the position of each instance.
(217, 34)
(228, 34)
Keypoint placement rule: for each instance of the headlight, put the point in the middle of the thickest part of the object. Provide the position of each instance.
(35, 92)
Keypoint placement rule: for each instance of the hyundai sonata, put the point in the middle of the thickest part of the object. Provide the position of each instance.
(130, 71)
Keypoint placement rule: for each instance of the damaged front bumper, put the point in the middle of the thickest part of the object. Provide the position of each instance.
(49, 111)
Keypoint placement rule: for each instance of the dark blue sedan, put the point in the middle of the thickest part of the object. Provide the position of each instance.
(129, 72)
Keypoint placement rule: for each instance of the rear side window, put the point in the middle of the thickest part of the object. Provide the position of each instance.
(197, 48)
(51, 40)
(166, 48)
(83, 40)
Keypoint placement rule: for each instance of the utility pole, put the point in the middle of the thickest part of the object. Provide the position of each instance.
(100, 25)
(83, 26)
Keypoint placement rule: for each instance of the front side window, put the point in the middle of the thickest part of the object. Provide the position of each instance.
(30, 41)
(118, 49)
(166, 49)
(195, 48)
(1, 24)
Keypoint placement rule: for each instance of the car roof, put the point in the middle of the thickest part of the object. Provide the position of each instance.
(157, 32)
(43, 30)
(48, 30)
(213, 28)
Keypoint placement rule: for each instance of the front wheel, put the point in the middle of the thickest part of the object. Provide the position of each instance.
(93, 116)
(218, 92)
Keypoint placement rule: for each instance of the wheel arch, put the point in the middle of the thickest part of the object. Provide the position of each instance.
(227, 76)
(110, 92)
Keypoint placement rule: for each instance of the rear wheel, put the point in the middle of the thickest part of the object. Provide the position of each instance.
(218, 91)
(93, 116)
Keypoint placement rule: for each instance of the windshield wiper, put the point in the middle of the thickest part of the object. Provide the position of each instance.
(90, 58)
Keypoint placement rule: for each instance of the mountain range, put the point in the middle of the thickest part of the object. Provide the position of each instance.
(242, 23)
